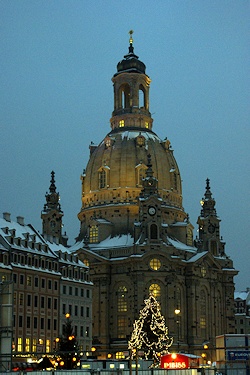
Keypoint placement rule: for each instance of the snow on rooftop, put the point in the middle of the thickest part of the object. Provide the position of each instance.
(181, 246)
(241, 295)
(123, 240)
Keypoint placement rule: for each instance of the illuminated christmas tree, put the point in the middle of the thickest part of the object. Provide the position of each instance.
(150, 333)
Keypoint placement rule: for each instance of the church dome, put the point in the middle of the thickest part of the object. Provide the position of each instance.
(113, 179)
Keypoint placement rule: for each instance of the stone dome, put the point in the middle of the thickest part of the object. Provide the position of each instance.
(113, 179)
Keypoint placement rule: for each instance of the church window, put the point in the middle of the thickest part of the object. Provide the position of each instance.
(141, 173)
(121, 327)
(121, 123)
(213, 247)
(155, 289)
(202, 322)
(122, 299)
(93, 234)
(155, 264)
(153, 232)
(102, 179)
(189, 237)
(203, 271)
(146, 125)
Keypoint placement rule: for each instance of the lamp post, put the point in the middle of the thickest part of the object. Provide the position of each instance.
(177, 312)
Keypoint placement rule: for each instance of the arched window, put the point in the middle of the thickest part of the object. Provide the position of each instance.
(124, 96)
(141, 173)
(102, 179)
(153, 232)
(142, 99)
(93, 234)
(155, 289)
(203, 310)
(122, 299)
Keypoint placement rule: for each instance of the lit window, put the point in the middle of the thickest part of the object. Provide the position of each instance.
(29, 280)
(122, 299)
(102, 179)
(27, 345)
(203, 322)
(140, 140)
(121, 123)
(155, 289)
(155, 264)
(203, 271)
(19, 344)
(93, 234)
(146, 125)
(86, 262)
(119, 355)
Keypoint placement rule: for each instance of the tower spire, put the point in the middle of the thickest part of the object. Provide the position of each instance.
(131, 48)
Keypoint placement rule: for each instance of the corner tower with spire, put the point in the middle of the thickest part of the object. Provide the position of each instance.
(52, 215)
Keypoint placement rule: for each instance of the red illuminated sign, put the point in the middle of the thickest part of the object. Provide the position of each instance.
(174, 361)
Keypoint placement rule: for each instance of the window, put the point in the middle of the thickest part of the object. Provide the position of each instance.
(42, 302)
(76, 310)
(70, 290)
(29, 300)
(88, 294)
(76, 291)
(35, 322)
(102, 179)
(155, 264)
(122, 299)
(153, 232)
(21, 279)
(29, 280)
(203, 322)
(93, 234)
(28, 322)
(55, 324)
(55, 285)
(64, 309)
(19, 344)
(87, 331)
(49, 303)
(81, 331)
(49, 284)
(42, 323)
(21, 299)
(87, 312)
(36, 301)
(43, 283)
(48, 324)
(14, 277)
(55, 304)
(20, 321)
(82, 310)
(155, 289)
(36, 282)
(64, 289)
(121, 123)
(82, 292)
(27, 344)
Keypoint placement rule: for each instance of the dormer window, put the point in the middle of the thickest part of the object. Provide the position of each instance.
(140, 140)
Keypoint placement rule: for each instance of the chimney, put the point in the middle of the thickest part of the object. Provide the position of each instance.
(20, 220)
(6, 216)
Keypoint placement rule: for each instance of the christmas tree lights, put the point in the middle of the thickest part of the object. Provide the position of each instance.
(150, 333)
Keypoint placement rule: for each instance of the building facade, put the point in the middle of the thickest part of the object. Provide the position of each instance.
(136, 237)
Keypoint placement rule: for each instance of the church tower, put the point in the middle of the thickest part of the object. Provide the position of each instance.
(52, 215)
(136, 237)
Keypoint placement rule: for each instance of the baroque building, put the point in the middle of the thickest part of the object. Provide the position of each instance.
(136, 236)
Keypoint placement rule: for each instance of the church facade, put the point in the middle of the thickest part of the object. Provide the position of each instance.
(136, 237)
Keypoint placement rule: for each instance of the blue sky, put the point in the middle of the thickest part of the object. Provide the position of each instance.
(57, 60)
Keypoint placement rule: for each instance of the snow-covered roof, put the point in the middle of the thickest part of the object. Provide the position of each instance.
(241, 295)
(123, 240)
(181, 246)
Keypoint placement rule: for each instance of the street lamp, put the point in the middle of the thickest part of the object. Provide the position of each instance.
(177, 312)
